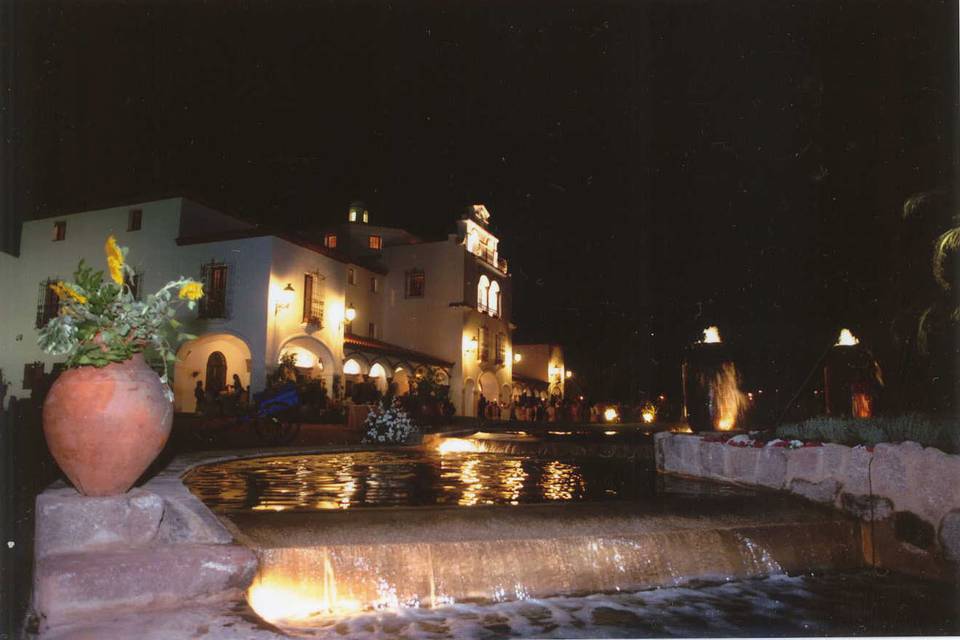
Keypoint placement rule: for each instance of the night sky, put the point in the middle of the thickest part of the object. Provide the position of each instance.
(651, 167)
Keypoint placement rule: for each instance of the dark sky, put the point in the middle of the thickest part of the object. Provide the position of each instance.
(650, 166)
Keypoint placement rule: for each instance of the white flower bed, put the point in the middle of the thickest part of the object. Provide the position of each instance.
(389, 425)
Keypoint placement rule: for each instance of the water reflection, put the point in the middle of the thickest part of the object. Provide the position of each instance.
(400, 478)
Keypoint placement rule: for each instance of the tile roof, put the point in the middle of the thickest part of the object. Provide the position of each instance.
(360, 343)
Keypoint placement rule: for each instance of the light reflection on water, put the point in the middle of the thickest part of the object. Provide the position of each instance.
(412, 477)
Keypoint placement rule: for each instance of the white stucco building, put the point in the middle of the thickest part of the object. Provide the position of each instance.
(352, 302)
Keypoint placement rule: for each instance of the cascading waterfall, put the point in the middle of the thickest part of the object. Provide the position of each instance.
(301, 587)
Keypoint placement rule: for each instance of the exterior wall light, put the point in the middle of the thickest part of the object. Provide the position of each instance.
(517, 357)
(284, 298)
(350, 313)
(569, 374)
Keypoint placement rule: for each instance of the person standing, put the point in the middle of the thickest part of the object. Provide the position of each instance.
(199, 394)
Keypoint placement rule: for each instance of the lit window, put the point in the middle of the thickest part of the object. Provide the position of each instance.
(312, 303)
(375, 242)
(483, 287)
(374, 284)
(59, 231)
(353, 215)
(213, 304)
(134, 219)
(366, 217)
(351, 367)
(351, 276)
(493, 299)
(415, 281)
(330, 241)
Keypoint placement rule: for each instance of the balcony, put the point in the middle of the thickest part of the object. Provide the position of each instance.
(491, 258)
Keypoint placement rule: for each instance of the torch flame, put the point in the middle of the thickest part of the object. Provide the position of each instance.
(730, 401)
(711, 335)
(847, 339)
(610, 414)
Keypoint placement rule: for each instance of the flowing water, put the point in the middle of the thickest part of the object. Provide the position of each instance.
(845, 604)
(518, 539)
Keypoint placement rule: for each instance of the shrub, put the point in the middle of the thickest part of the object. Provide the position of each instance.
(389, 424)
(922, 429)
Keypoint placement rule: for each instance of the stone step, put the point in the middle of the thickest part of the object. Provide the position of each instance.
(77, 587)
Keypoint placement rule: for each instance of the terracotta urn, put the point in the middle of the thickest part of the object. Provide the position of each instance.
(105, 426)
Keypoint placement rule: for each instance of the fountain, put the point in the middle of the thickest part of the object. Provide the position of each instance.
(712, 399)
(473, 520)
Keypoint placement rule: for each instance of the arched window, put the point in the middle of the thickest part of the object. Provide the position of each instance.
(351, 367)
(377, 371)
(493, 299)
(483, 288)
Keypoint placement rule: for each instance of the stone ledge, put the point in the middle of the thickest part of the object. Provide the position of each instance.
(75, 587)
(871, 484)
(67, 522)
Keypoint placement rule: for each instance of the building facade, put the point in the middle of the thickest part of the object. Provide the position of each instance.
(352, 303)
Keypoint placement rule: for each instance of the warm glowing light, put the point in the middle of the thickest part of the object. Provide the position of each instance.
(302, 358)
(609, 433)
(847, 339)
(862, 405)
(350, 314)
(281, 599)
(351, 367)
(517, 357)
(648, 416)
(681, 428)
(569, 374)
(459, 445)
(610, 414)
(377, 371)
(269, 507)
(711, 335)
(730, 400)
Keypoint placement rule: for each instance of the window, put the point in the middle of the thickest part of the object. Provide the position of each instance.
(134, 219)
(483, 348)
(33, 375)
(372, 330)
(414, 284)
(374, 284)
(48, 303)
(493, 299)
(312, 303)
(351, 276)
(59, 231)
(330, 241)
(353, 215)
(375, 242)
(213, 304)
(501, 348)
(133, 283)
(483, 287)
(366, 217)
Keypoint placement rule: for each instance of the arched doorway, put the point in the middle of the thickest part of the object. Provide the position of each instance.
(216, 378)
(211, 359)
(489, 386)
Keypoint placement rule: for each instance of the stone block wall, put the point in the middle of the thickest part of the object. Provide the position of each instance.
(913, 490)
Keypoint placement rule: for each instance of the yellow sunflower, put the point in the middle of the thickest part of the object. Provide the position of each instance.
(63, 290)
(191, 291)
(114, 259)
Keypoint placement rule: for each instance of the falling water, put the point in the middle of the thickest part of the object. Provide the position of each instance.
(301, 587)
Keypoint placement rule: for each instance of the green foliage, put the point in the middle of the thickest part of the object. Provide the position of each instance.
(926, 430)
(101, 322)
